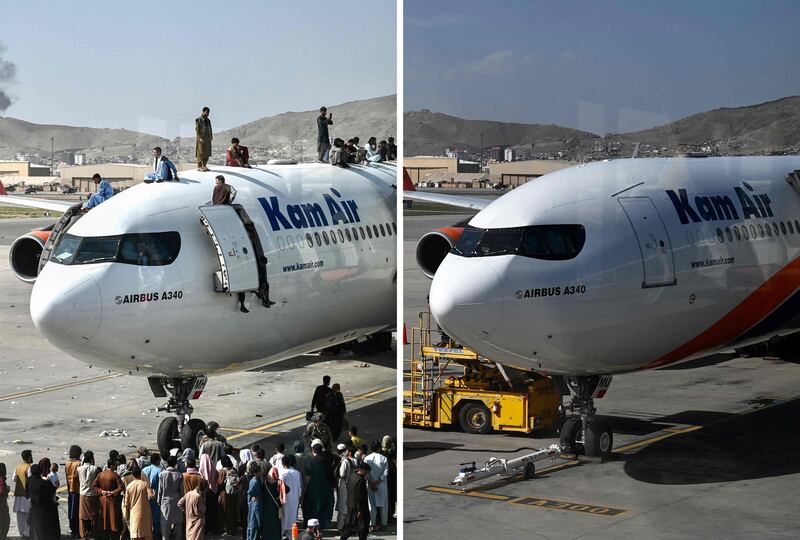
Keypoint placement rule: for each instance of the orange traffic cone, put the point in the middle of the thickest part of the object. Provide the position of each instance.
(405, 335)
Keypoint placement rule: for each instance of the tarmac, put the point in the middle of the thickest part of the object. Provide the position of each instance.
(49, 400)
(702, 451)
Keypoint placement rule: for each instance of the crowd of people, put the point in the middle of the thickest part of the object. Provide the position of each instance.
(219, 490)
(341, 153)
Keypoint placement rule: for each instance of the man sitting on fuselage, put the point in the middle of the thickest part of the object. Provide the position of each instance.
(163, 169)
(104, 192)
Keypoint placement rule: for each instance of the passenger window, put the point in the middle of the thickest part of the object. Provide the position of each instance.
(341, 236)
(299, 240)
(744, 232)
(383, 231)
(375, 228)
(369, 232)
(325, 238)
(760, 231)
(309, 240)
(290, 242)
(720, 237)
(394, 226)
(281, 243)
(777, 231)
(783, 228)
(355, 234)
(388, 230)
(347, 233)
(728, 234)
(791, 227)
(736, 233)
(797, 225)
(363, 236)
(318, 239)
(333, 236)
(768, 230)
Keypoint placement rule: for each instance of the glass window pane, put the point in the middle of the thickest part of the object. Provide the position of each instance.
(97, 249)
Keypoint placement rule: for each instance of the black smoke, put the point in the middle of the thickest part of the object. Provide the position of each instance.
(7, 73)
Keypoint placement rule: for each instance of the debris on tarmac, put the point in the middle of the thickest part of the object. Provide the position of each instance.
(87, 420)
(362, 365)
(114, 433)
(228, 393)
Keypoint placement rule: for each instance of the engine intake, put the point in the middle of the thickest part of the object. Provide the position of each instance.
(25, 253)
(434, 246)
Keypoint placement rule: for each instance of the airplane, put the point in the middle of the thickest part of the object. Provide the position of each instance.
(149, 282)
(619, 266)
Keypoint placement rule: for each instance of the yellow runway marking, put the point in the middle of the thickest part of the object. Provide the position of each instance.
(294, 418)
(480, 495)
(652, 440)
(58, 387)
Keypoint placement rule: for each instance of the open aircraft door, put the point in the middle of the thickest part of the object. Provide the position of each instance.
(654, 244)
(239, 258)
(63, 224)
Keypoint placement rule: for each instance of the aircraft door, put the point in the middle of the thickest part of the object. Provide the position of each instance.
(238, 259)
(654, 244)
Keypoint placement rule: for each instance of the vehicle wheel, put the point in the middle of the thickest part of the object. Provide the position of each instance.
(530, 471)
(599, 439)
(191, 432)
(475, 418)
(569, 433)
(167, 437)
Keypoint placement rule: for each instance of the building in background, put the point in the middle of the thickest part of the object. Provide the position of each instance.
(510, 154)
(516, 173)
(443, 166)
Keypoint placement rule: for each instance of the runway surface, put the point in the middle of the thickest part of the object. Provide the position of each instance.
(709, 452)
(49, 400)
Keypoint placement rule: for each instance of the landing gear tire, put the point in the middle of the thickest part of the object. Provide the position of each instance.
(569, 434)
(530, 471)
(599, 439)
(168, 436)
(191, 432)
(475, 418)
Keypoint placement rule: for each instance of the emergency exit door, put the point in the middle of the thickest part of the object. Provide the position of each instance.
(654, 244)
(237, 258)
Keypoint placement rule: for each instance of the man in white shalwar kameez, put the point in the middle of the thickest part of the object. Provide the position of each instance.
(293, 481)
(22, 504)
(346, 466)
(378, 492)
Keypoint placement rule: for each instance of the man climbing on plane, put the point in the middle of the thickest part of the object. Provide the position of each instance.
(163, 169)
(104, 192)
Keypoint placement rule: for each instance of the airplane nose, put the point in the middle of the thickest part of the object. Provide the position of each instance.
(466, 299)
(67, 313)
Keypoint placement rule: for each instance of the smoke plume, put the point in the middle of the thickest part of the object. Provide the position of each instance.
(7, 73)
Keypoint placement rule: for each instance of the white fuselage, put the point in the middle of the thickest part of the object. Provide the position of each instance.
(169, 321)
(660, 278)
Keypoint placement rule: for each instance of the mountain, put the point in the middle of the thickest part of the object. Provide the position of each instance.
(290, 134)
(28, 138)
(429, 133)
(771, 127)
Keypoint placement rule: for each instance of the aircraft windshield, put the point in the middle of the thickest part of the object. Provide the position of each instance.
(145, 249)
(550, 242)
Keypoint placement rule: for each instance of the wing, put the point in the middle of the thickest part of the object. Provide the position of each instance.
(44, 204)
(410, 192)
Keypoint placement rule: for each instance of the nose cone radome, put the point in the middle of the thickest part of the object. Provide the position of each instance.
(68, 313)
(466, 298)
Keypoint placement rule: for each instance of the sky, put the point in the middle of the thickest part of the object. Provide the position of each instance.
(152, 65)
(597, 65)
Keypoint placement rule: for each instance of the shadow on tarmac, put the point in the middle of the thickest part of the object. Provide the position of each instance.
(387, 359)
(729, 448)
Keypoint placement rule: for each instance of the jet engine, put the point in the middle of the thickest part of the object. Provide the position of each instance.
(434, 246)
(25, 253)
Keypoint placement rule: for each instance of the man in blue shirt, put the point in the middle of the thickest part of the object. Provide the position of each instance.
(104, 192)
(152, 473)
(163, 169)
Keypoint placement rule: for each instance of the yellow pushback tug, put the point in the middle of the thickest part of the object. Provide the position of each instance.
(454, 386)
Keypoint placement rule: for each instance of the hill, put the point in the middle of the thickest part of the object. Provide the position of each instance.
(290, 134)
(429, 133)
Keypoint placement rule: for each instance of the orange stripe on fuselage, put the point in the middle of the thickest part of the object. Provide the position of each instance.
(747, 314)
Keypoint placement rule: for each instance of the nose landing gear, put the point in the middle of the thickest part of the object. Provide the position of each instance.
(180, 431)
(582, 433)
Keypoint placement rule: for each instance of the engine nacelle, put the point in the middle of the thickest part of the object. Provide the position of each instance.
(434, 246)
(25, 253)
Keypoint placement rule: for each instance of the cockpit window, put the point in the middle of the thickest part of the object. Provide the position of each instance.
(551, 242)
(143, 249)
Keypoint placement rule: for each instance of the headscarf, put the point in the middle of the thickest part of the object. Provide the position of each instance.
(187, 454)
(387, 442)
(245, 456)
(209, 472)
(272, 477)
(45, 464)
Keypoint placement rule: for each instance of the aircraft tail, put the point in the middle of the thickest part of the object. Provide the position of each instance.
(2, 189)
(408, 185)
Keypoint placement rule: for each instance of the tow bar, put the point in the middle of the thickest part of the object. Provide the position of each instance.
(505, 467)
